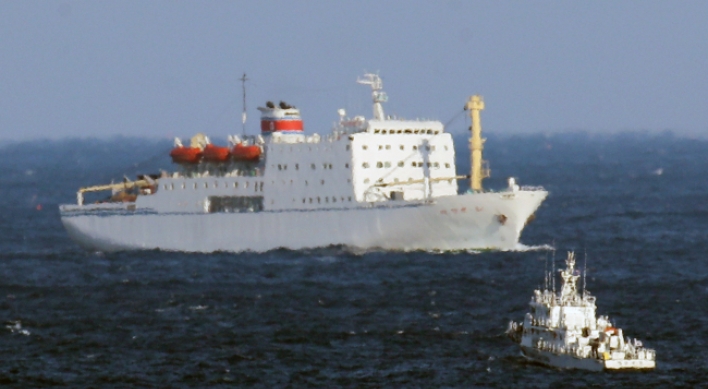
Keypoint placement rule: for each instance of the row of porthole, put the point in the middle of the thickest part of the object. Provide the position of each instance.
(258, 185)
(406, 131)
(403, 147)
(379, 164)
(396, 180)
(318, 200)
(313, 166)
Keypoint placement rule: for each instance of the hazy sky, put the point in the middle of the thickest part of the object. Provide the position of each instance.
(166, 68)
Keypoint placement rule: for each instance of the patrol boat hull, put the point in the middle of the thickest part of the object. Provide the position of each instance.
(470, 221)
(564, 361)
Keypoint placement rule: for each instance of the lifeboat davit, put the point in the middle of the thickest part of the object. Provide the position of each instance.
(216, 153)
(181, 154)
(246, 153)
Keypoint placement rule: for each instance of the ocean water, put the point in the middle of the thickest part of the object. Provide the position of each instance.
(636, 203)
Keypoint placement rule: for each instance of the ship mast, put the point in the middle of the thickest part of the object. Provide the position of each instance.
(479, 168)
(243, 115)
(377, 94)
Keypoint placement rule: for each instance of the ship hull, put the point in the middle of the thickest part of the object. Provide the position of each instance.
(563, 361)
(469, 221)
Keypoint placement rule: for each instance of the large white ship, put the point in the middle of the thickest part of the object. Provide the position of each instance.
(379, 183)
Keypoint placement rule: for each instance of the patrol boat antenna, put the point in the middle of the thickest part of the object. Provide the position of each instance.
(243, 115)
(377, 94)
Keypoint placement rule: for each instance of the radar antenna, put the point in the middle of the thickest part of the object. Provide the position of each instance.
(377, 94)
(243, 115)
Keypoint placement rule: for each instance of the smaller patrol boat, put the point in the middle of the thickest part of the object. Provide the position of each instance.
(561, 330)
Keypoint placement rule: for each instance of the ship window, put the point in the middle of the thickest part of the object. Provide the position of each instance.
(305, 182)
(447, 165)
(407, 131)
(445, 147)
(347, 147)
(326, 199)
(235, 184)
(234, 204)
(322, 182)
(303, 200)
(366, 181)
(365, 165)
(350, 199)
(387, 164)
(383, 132)
(285, 167)
(427, 148)
(346, 166)
(310, 200)
(195, 185)
(324, 166)
(206, 185)
(349, 180)
(216, 184)
(432, 148)
(330, 166)
(402, 147)
(245, 184)
(342, 198)
(377, 131)
(318, 199)
(415, 147)
(297, 166)
(280, 167)
(400, 164)
(379, 164)
(430, 131)
(413, 163)
(436, 164)
(380, 147)
(364, 147)
(172, 186)
(395, 179)
(334, 199)
(312, 166)
(388, 147)
(165, 186)
(183, 185)
(416, 131)
(261, 186)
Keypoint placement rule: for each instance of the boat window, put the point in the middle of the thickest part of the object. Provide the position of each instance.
(445, 147)
(297, 166)
(280, 167)
(206, 185)
(447, 165)
(383, 132)
(402, 147)
(184, 185)
(165, 186)
(350, 199)
(310, 200)
(347, 147)
(364, 147)
(388, 147)
(245, 184)
(322, 182)
(387, 164)
(400, 163)
(380, 147)
(235, 204)
(408, 131)
(312, 166)
(399, 131)
(395, 179)
(377, 131)
(365, 165)
(379, 164)
(366, 181)
(318, 199)
(172, 186)
(334, 199)
(346, 166)
(413, 163)
(195, 185)
(415, 147)
(326, 199)
(235, 184)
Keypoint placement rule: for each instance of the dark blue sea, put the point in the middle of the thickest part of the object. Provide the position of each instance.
(636, 203)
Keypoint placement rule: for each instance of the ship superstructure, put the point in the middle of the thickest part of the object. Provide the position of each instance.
(369, 183)
(562, 330)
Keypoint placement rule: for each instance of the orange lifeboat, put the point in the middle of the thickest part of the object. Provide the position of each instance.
(181, 154)
(246, 153)
(216, 153)
(191, 154)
